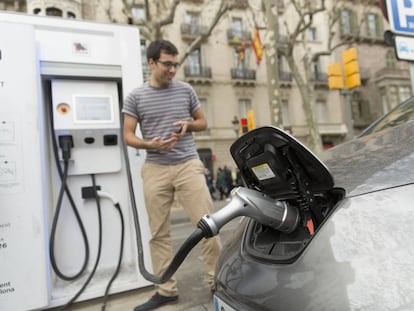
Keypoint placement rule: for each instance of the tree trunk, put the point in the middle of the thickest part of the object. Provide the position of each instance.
(272, 68)
(314, 141)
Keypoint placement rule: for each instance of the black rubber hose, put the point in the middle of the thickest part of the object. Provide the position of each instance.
(64, 186)
(98, 256)
(121, 250)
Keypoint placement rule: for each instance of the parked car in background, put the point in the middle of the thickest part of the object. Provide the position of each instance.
(353, 248)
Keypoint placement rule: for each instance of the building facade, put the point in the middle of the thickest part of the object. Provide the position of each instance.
(229, 82)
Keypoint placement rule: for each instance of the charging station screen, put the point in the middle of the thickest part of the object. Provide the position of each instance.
(93, 109)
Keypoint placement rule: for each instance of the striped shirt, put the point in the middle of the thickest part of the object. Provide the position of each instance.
(156, 110)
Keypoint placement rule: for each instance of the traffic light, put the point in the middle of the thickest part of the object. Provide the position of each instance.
(351, 68)
(243, 126)
(251, 122)
(335, 78)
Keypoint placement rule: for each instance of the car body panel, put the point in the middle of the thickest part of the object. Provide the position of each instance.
(360, 258)
(337, 270)
(371, 163)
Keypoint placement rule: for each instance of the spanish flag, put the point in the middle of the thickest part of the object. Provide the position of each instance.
(257, 46)
(242, 50)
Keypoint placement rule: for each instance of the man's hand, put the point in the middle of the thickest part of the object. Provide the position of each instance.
(163, 145)
(182, 127)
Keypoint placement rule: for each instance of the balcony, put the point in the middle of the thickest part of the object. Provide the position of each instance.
(197, 74)
(243, 76)
(285, 78)
(387, 76)
(241, 4)
(235, 36)
(373, 38)
(282, 40)
(320, 79)
(191, 31)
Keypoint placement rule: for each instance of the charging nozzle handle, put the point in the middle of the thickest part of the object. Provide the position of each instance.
(276, 214)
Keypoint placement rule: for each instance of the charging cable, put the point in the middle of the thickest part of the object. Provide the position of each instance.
(98, 256)
(121, 249)
(66, 143)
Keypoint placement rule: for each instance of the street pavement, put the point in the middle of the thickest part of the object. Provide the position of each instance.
(194, 292)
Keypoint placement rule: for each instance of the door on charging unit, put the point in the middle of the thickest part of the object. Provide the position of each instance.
(88, 112)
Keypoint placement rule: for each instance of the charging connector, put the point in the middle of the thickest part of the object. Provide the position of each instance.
(89, 192)
(66, 143)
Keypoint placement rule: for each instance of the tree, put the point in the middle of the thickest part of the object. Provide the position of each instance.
(295, 30)
(272, 59)
(161, 13)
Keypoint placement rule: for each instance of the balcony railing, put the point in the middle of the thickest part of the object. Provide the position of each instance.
(285, 76)
(282, 39)
(235, 36)
(319, 77)
(190, 31)
(243, 74)
(197, 71)
(241, 4)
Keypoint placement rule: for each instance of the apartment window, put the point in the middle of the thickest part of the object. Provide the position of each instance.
(208, 114)
(321, 112)
(146, 71)
(71, 15)
(311, 34)
(393, 96)
(37, 11)
(404, 92)
(283, 64)
(194, 62)
(383, 95)
(192, 20)
(346, 25)
(396, 94)
(138, 13)
(239, 58)
(54, 12)
(316, 70)
(372, 25)
(285, 113)
(244, 106)
(360, 109)
(391, 60)
(206, 109)
(237, 27)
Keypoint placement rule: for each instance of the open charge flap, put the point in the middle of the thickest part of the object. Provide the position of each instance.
(275, 163)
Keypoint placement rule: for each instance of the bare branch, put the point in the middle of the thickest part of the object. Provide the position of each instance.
(169, 19)
(224, 7)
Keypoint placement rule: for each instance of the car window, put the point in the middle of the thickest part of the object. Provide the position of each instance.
(403, 113)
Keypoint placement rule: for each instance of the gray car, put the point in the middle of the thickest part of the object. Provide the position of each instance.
(352, 247)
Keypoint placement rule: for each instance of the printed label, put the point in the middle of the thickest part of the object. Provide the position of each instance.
(6, 288)
(263, 171)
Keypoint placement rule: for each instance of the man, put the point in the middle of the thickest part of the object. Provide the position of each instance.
(167, 111)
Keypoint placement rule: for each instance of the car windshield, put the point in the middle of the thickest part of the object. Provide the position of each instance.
(403, 113)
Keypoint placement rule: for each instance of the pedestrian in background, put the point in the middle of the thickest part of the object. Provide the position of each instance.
(167, 111)
(229, 181)
(221, 185)
(210, 182)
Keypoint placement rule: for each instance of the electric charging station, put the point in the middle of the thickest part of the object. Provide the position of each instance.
(66, 78)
